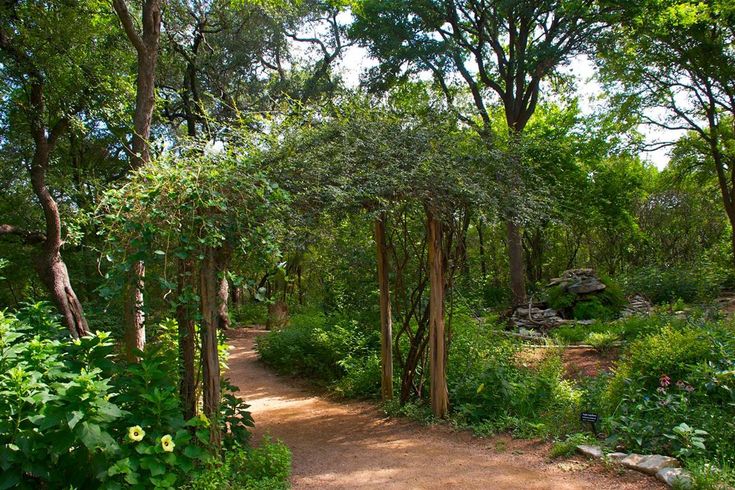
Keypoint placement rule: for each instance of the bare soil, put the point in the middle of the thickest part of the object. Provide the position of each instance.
(351, 445)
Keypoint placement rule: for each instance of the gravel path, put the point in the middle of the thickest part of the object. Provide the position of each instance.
(353, 445)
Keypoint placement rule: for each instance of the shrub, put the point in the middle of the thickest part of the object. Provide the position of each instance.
(702, 282)
(629, 328)
(604, 305)
(491, 391)
(602, 341)
(249, 313)
(55, 416)
(672, 393)
(267, 467)
(331, 350)
(568, 446)
(71, 416)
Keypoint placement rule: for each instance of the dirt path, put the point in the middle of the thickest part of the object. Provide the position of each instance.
(353, 445)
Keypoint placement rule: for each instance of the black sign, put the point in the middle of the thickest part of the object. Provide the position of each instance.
(589, 417)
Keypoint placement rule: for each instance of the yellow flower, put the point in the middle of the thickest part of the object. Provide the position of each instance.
(167, 443)
(136, 433)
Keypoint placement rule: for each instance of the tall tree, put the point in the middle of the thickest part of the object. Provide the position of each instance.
(145, 43)
(677, 56)
(52, 70)
(506, 49)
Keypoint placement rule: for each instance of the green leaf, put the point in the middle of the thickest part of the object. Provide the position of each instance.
(74, 418)
(8, 480)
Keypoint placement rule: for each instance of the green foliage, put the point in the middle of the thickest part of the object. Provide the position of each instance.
(249, 314)
(602, 341)
(55, 417)
(604, 305)
(590, 309)
(623, 329)
(266, 467)
(672, 393)
(559, 298)
(492, 391)
(327, 349)
(70, 415)
(699, 283)
(568, 446)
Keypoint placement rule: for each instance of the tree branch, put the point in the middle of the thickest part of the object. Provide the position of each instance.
(28, 237)
(127, 23)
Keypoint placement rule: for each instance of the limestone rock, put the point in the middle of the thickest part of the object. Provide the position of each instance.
(649, 464)
(617, 457)
(590, 451)
(637, 305)
(675, 476)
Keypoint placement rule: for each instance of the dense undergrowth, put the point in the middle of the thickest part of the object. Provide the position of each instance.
(672, 391)
(73, 416)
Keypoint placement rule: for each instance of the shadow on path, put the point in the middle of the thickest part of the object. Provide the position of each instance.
(352, 445)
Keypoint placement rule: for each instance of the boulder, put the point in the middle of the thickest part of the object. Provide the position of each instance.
(649, 464)
(616, 457)
(675, 476)
(594, 452)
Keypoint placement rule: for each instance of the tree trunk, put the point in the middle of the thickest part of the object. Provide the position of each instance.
(133, 313)
(208, 287)
(515, 256)
(222, 258)
(53, 272)
(386, 322)
(146, 46)
(278, 316)
(437, 340)
(481, 240)
(51, 266)
(235, 295)
(187, 339)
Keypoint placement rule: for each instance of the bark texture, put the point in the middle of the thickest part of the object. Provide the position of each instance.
(208, 286)
(146, 46)
(437, 339)
(187, 340)
(50, 265)
(386, 321)
(515, 258)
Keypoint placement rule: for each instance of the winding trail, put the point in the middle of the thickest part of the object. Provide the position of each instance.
(352, 445)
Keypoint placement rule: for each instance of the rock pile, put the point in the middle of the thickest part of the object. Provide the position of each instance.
(582, 282)
(576, 286)
(637, 305)
(536, 317)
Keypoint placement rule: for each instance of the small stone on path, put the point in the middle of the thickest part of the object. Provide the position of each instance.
(617, 457)
(649, 464)
(675, 476)
(590, 451)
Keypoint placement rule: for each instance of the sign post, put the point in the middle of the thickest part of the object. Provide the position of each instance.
(590, 418)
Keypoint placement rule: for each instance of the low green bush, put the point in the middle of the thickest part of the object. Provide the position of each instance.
(568, 446)
(604, 305)
(73, 415)
(331, 350)
(249, 313)
(602, 341)
(673, 393)
(699, 283)
(629, 328)
(491, 391)
(267, 467)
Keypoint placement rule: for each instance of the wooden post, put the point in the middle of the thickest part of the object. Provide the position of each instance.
(208, 287)
(187, 339)
(386, 322)
(437, 341)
